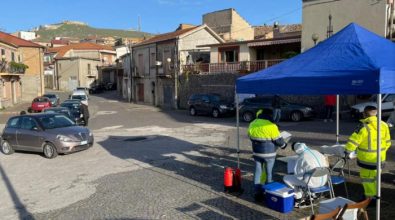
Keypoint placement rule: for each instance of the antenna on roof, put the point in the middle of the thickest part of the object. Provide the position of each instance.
(139, 20)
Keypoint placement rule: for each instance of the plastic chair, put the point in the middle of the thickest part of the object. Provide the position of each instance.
(319, 172)
(361, 206)
(331, 215)
(340, 177)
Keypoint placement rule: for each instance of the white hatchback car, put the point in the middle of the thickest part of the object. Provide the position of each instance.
(81, 95)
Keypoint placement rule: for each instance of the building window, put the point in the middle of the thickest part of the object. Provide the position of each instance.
(152, 60)
(2, 52)
(89, 69)
(19, 59)
(229, 55)
(141, 64)
(12, 56)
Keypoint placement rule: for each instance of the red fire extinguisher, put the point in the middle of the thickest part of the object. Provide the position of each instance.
(232, 180)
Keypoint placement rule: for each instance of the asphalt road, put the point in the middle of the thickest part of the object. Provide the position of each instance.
(149, 163)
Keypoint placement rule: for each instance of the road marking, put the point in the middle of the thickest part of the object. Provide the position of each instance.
(105, 113)
(109, 128)
(109, 101)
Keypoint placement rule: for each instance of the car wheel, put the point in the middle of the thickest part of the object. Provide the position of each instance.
(296, 116)
(6, 148)
(49, 151)
(192, 111)
(248, 116)
(215, 113)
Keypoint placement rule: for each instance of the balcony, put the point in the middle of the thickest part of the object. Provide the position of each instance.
(234, 67)
(12, 67)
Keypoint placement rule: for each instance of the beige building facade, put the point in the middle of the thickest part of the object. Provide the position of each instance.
(76, 72)
(230, 25)
(158, 61)
(33, 78)
(372, 14)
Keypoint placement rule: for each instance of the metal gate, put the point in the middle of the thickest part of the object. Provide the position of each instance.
(141, 92)
(167, 97)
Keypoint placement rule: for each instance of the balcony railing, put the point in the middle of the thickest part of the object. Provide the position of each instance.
(12, 67)
(234, 67)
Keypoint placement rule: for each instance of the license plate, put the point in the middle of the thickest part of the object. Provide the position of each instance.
(84, 142)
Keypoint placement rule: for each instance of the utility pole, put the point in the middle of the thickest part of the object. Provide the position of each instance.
(131, 72)
(176, 75)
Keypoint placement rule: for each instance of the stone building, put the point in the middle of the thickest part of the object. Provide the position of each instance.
(229, 25)
(322, 18)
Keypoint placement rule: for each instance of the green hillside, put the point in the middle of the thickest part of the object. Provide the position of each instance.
(84, 31)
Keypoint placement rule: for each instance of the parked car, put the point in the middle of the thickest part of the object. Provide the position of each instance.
(60, 110)
(39, 103)
(84, 89)
(387, 106)
(74, 106)
(211, 104)
(51, 134)
(96, 89)
(289, 111)
(53, 98)
(81, 95)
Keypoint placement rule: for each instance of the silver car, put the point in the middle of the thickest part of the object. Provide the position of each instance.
(51, 134)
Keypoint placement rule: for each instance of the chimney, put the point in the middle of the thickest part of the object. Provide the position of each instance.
(184, 26)
(276, 30)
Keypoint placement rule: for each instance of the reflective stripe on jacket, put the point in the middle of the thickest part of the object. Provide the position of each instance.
(265, 138)
(364, 141)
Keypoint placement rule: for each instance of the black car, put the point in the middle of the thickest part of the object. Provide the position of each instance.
(211, 104)
(61, 110)
(74, 106)
(53, 98)
(289, 111)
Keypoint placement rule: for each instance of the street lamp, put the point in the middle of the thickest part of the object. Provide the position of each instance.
(315, 38)
(175, 83)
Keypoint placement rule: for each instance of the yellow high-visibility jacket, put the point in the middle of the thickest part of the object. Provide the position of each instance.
(364, 141)
(265, 137)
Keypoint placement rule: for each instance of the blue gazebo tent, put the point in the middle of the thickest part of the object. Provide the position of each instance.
(353, 61)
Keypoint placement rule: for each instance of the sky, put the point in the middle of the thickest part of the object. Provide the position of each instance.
(157, 16)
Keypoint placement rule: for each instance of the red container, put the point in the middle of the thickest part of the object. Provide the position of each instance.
(228, 178)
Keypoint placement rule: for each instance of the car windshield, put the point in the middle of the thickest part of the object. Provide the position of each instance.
(80, 97)
(50, 96)
(55, 121)
(215, 98)
(387, 98)
(41, 99)
(71, 105)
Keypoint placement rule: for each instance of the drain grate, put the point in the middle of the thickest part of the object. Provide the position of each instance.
(135, 139)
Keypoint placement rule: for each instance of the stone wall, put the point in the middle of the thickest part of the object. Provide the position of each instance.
(224, 83)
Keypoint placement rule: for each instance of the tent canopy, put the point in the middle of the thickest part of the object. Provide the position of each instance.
(353, 61)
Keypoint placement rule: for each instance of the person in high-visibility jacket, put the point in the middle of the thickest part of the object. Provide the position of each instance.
(364, 142)
(265, 138)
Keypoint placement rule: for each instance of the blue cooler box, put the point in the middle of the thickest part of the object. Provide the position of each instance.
(279, 197)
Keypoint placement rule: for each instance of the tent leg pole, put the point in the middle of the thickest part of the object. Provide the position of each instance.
(238, 129)
(378, 182)
(337, 118)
